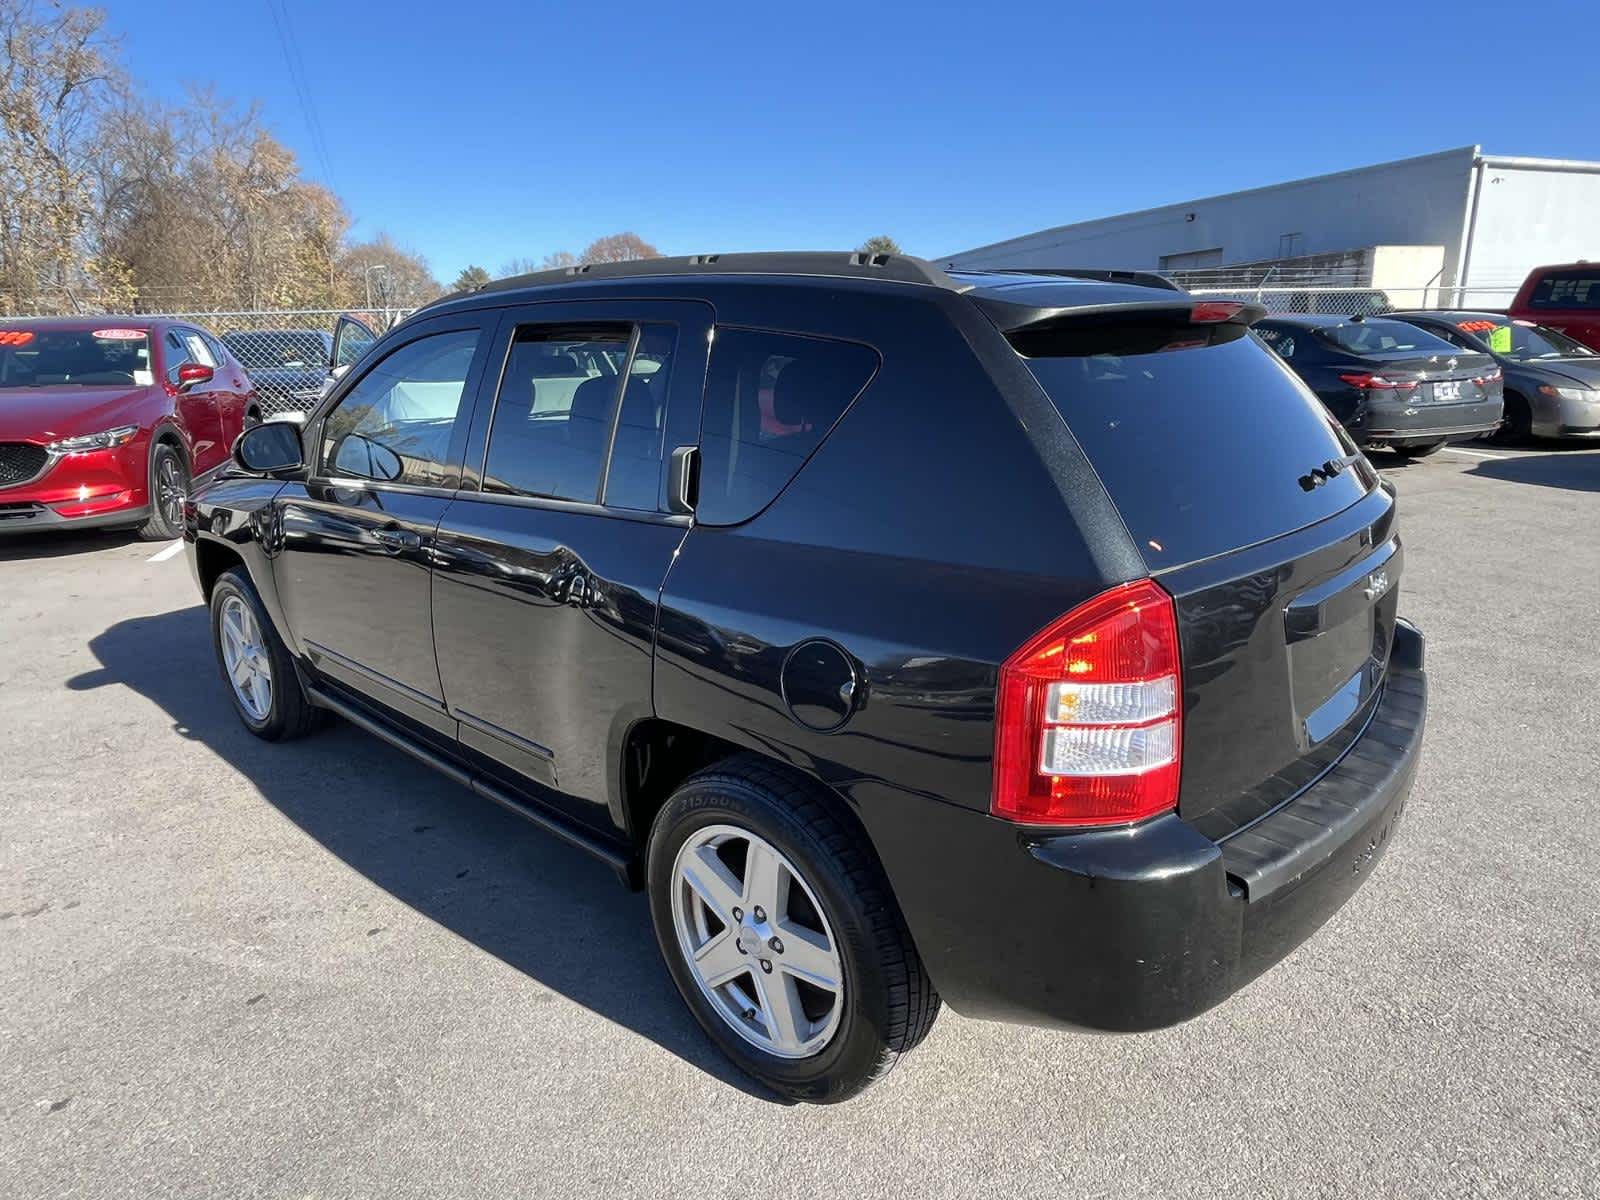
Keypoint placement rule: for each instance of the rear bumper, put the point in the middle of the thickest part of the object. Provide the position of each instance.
(1134, 929)
(1385, 423)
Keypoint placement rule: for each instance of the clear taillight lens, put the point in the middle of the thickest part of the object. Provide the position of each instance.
(1088, 720)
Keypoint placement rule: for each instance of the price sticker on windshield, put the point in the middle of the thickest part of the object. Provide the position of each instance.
(15, 337)
(119, 335)
(1500, 339)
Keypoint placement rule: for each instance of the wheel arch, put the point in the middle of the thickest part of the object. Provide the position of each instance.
(658, 755)
(212, 558)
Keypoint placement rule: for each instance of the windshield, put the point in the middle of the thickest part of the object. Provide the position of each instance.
(1522, 342)
(267, 351)
(106, 357)
(1384, 337)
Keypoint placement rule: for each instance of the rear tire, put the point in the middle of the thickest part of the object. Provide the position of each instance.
(255, 664)
(1418, 449)
(745, 829)
(169, 485)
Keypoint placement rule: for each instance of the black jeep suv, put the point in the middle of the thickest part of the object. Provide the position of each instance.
(1021, 641)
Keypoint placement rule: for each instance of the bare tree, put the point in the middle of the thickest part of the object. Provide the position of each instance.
(382, 275)
(618, 247)
(53, 65)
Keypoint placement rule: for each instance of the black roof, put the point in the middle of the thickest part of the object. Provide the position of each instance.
(1019, 293)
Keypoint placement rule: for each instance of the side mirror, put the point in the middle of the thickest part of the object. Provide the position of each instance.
(191, 373)
(363, 457)
(269, 448)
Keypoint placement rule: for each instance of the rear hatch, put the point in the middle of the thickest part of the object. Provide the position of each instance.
(1255, 511)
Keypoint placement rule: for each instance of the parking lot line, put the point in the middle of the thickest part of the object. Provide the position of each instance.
(167, 552)
(1471, 453)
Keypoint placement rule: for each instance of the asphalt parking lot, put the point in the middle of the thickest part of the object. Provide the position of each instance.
(234, 969)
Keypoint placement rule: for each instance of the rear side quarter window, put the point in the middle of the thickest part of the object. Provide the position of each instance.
(771, 399)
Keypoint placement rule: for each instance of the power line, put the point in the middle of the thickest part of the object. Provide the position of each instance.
(284, 25)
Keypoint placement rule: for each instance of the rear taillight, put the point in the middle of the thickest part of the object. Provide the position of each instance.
(1088, 724)
(1378, 383)
(1210, 312)
(1486, 379)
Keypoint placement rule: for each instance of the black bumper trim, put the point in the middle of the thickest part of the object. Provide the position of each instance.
(1303, 834)
(46, 520)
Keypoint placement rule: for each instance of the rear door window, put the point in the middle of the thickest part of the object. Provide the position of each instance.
(771, 399)
(1201, 437)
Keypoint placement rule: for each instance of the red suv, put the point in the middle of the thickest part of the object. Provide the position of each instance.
(105, 420)
(1564, 298)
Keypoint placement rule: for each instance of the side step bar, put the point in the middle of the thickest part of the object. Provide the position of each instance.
(625, 865)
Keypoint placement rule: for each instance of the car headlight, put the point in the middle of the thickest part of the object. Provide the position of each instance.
(1570, 393)
(120, 436)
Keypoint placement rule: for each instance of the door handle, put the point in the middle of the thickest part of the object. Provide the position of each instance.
(396, 540)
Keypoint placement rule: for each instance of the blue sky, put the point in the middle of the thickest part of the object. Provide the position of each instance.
(478, 131)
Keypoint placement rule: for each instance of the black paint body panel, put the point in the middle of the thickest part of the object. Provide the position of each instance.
(948, 516)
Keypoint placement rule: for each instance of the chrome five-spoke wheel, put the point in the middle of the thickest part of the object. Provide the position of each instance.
(245, 658)
(755, 939)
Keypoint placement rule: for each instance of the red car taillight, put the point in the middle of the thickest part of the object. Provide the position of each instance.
(1378, 383)
(1088, 720)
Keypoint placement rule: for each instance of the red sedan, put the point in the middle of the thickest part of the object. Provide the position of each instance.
(104, 421)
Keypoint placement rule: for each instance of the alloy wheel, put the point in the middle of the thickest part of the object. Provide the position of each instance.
(754, 937)
(244, 658)
(170, 491)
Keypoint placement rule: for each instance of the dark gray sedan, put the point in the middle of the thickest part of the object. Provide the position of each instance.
(1552, 383)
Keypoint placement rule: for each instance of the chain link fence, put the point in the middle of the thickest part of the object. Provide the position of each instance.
(287, 353)
(1363, 301)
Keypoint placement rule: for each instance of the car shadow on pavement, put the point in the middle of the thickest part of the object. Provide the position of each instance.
(59, 545)
(532, 901)
(1573, 472)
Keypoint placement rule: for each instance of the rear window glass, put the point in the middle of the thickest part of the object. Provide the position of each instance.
(770, 400)
(1200, 439)
(1383, 337)
(109, 357)
(1566, 291)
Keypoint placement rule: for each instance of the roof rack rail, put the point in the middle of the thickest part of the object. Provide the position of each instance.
(840, 264)
(1105, 274)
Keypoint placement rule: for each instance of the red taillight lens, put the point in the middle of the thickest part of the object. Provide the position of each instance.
(1209, 312)
(1485, 380)
(1378, 383)
(1088, 721)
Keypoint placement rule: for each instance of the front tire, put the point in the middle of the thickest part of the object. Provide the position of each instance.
(255, 664)
(169, 485)
(781, 934)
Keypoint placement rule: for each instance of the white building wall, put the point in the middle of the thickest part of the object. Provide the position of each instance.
(1530, 217)
(1416, 201)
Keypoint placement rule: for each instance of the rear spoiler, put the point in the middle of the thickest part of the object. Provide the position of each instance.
(1147, 279)
(1181, 309)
